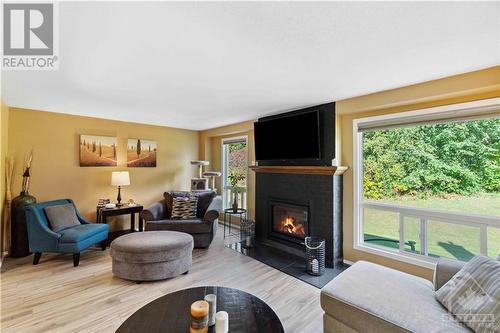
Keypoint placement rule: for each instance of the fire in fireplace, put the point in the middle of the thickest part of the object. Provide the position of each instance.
(290, 220)
(290, 225)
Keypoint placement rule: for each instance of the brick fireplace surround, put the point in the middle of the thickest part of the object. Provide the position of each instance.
(320, 192)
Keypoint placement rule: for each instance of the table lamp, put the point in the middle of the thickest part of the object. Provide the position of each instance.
(119, 178)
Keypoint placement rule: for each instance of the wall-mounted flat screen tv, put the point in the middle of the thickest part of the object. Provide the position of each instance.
(294, 137)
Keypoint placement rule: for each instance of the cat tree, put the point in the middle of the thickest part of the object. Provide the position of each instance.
(201, 183)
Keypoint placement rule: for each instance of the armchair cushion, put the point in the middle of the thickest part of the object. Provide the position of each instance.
(61, 216)
(192, 226)
(184, 208)
(213, 210)
(157, 211)
(204, 200)
(81, 232)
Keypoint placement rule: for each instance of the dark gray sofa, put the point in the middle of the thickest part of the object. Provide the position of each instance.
(203, 228)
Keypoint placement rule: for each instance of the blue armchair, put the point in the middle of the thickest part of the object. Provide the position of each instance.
(69, 240)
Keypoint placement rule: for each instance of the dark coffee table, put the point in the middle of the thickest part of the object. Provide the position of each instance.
(171, 313)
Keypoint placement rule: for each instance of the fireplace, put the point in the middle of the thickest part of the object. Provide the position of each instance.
(314, 201)
(289, 221)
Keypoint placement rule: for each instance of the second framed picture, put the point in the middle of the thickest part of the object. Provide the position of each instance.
(141, 153)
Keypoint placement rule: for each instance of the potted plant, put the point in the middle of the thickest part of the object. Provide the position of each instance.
(234, 178)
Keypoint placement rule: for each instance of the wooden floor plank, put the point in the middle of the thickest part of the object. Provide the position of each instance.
(55, 297)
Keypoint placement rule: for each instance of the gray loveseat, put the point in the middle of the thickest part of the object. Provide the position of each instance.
(203, 228)
(372, 298)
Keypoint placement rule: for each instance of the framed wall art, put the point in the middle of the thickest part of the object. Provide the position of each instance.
(97, 150)
(141, 153)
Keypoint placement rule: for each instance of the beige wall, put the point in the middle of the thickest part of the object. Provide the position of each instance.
(56, 173)
(210, 149)
(456, 89)
(4, 135)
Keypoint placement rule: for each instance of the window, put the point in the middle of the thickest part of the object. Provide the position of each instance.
(427, 183)
(234, 171)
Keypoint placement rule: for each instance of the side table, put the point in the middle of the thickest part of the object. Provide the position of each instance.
(103, 213)
(240, 212)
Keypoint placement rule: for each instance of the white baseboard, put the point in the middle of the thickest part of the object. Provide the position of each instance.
(348, 262)
(2, 257)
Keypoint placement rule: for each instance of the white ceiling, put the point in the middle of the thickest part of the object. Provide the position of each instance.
(203, 65)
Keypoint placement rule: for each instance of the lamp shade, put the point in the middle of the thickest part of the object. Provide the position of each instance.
(120, 178)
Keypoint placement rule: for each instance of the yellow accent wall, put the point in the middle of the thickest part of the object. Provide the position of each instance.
(56, 173)
(4, 136)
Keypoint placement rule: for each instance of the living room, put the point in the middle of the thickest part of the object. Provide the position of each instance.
(250, 167)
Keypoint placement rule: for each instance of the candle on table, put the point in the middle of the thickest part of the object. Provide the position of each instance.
(315, 266)
(212, 308)
(199, 317)
(221, 322)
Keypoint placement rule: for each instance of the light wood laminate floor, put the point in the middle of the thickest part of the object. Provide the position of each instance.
(57, 297)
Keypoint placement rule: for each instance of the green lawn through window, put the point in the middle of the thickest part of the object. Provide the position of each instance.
(444, 239)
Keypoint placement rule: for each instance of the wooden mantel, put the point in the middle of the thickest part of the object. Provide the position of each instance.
(305, 170)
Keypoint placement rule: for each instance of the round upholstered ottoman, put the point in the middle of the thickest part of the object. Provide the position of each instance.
(151, 255)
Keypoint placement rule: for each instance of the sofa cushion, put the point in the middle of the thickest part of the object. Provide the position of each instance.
(192, 226)
(81, 232)
(61, 216)
(204, 200)
(373, 298)
(473, 295)
(184, 208)
(169, 197)
(444, 271)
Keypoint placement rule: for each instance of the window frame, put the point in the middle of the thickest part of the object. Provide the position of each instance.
(224, 184)
(454, 112)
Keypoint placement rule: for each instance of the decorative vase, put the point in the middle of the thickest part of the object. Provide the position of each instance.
(235, 202)
(19, 231)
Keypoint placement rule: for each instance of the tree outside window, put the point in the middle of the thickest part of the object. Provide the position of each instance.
(235, 170)
(449, 167)
(237, 164)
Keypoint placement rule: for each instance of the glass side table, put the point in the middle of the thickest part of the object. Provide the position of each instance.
(241, 213)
